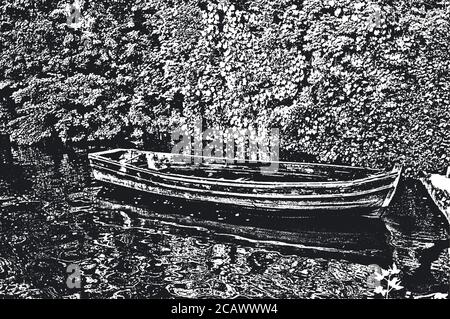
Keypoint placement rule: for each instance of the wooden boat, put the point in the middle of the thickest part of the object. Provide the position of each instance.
(438, 187)
(294, 187)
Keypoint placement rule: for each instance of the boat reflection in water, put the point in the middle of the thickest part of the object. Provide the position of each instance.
(53, 214)
(357, 239)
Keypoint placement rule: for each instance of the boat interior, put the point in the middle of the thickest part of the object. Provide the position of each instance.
(236, 169)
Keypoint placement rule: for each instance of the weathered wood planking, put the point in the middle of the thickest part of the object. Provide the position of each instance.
(367, 191)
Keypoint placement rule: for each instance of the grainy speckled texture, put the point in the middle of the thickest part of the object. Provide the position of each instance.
(50, 217)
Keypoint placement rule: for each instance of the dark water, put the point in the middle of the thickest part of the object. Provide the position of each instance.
(52, 214)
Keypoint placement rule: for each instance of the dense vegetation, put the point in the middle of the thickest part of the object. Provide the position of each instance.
(362, 83)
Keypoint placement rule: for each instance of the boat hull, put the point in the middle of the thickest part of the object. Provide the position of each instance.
(365, 197)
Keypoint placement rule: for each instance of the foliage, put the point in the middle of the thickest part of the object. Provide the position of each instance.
(388, 281)
(363, 83)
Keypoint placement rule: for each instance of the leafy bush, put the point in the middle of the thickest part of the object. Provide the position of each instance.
(345, 81)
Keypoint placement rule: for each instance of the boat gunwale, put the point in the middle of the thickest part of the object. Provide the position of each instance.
(374, 170)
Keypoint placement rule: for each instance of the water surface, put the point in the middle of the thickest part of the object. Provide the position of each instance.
(52, 214)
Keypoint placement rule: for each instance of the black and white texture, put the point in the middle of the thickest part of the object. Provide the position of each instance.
(352, 83)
